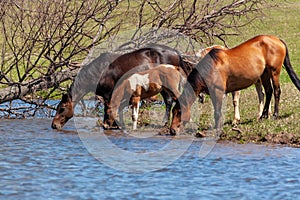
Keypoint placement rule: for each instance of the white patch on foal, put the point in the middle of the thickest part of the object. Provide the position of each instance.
(170, 66)
(137, 79)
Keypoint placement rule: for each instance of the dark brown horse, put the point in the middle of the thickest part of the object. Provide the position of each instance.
(85, 82)
(143, 85)
(107, 77)
(222, 71)
(145, 59)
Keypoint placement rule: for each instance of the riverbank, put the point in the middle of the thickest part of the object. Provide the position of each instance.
(284, 130)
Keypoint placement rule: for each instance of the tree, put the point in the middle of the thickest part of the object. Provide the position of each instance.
(43, 42)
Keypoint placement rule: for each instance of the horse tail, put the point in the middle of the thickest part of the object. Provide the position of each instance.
(287, 63)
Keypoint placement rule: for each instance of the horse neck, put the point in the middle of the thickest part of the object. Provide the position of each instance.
(89, 76)
(85, 82)
(188, 96)
(77, 94)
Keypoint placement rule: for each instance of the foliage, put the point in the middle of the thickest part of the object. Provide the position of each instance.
(43, 42)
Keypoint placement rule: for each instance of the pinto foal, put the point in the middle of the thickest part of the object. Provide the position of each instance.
(143, 85)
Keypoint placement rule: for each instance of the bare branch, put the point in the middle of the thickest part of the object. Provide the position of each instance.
(43, 41)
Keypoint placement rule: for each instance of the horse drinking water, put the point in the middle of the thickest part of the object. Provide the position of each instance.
(143, 85)
(85, 82)
(108, 76)
(226, 70)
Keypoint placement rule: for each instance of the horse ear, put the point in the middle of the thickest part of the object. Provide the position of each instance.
(66, 97)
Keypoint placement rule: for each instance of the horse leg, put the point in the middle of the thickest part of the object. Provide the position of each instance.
(121, 117)
(265, 78)
(236, 102)
(168, 101)
(108, 119)
(106, 116)
(277, 92)
(135, 111)
(261, 96)
(217, 99)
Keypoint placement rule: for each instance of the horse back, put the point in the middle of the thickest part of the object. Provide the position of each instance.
(242, 65)
(144, 58)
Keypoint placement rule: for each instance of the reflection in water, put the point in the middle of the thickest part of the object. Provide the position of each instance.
(36, 161)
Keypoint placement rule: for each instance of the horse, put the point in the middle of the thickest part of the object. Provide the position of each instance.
(105, 78)
(236, 94)
(226, 70)
(145, 58)
(145, 84)
(85, 82)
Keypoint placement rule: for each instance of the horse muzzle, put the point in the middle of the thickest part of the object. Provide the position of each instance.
(173, 132)
(56, 126)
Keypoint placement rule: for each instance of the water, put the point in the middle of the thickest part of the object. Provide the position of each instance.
(37, 162)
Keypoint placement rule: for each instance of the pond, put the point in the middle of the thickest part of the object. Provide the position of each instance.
(41, 163)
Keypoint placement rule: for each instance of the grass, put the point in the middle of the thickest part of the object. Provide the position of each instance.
(267, 130)
(281, 21)
(284, 130)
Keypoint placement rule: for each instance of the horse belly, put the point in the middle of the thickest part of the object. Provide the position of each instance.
(244, 76)
(152, 90)
(239, 83)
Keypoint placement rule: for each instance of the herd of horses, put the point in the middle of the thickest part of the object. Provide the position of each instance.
(123, 80)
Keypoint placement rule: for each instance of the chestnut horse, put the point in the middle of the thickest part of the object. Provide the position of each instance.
(236, 94)
(226, 70)
(143, 85)
(108, 76)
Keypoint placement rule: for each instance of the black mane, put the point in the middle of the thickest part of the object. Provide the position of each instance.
(214, 54)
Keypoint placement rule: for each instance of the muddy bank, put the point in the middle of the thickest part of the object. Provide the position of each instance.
(282, 138)
(234, 135)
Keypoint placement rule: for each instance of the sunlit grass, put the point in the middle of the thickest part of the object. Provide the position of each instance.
(258, 131)
(283, 22)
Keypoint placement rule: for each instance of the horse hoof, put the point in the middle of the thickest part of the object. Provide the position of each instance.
(164, 131)
(263, 116)
(200, 135)
(236, 129)
(235, 123)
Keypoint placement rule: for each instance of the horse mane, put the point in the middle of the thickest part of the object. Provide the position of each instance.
(214, 54)
(159, 48)
(89, 75)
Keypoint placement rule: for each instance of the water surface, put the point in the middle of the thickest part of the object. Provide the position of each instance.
(37, 162)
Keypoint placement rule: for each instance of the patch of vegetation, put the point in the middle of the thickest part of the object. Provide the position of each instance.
(281, 21)
(284, 130)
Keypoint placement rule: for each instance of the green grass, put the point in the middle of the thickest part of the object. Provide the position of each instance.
(267, 129)
(283, 22)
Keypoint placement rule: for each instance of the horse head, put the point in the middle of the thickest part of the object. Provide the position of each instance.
(64, 112)
(181, 115)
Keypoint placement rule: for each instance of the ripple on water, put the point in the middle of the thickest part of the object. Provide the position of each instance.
(36, 161)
